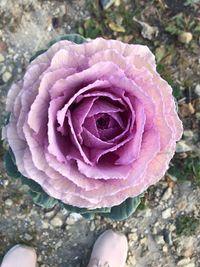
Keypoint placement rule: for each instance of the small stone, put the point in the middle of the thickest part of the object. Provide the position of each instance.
(9, 202)
(165, 249)
(197, 115)
(6, 76)
(133, 237)
(2, 58)
(57, 222)
(197, 89)
(172, 227)
(167, 194)
(58, 244)
(160, 240)
(185, 37)
(28, 237)
(187, 109)
(45, 225)
(183, 262)
(190, 265)
(188, 134)
(134, 230)
(188, 252)
(92, 226)
(143, 241)
(73, 217)
(166, 213)
(131, 260)
(182, 147)
(3, 46)
(49, 214)
(148, 213)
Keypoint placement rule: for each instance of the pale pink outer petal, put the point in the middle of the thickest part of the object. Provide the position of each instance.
(68, 59)
(39, 109)
(130, 151)
(12, 94)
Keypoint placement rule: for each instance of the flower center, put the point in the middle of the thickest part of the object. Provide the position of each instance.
(103, 121)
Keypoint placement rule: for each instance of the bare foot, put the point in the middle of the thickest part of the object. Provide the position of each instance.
(110, 250)
(20, 256)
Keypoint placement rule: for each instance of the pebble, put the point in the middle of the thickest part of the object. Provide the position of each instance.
(2, 58)
(185, 37)
(183, 262)
(133, 237)
(197, 89)
(188, 252)
(131, 260)
(167, 194)
(58, 244)
(188, 133)
(3, 46)
(166, 213)
(182, 147)
(165, 249)
(28, 237)
(45, 225)
(49, 214)
(143, 241)
(190, 265)
(148, 213)
(197, 115)
(73, 217)
(6, 76)
(160, 240)
(92, 226)
(9, 202)
(57, 222)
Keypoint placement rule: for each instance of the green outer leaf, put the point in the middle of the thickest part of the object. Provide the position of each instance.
(43, 199)
(75, 38)
(10, 166)
(6, 118)
(37, 54)
(84, 210)
(88, 216)
(124, 210)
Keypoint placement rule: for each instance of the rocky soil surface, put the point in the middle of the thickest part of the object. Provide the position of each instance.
(165, 231)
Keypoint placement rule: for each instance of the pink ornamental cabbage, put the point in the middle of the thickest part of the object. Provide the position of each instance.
(93, 123)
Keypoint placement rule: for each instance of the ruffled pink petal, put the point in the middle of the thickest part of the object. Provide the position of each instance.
(103, 106)
(104, 171)
(70, 172)
(110, 55)
(90, 125)
(74, 83)
(84, 152)
(12, 94)
(58, 145)
(62, 113)
(17, 145)
(68, 59)
(37, 116)
(93, 142)
(130, 151)
(79, 114)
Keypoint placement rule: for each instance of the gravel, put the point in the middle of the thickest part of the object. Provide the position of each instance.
(63, 239)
